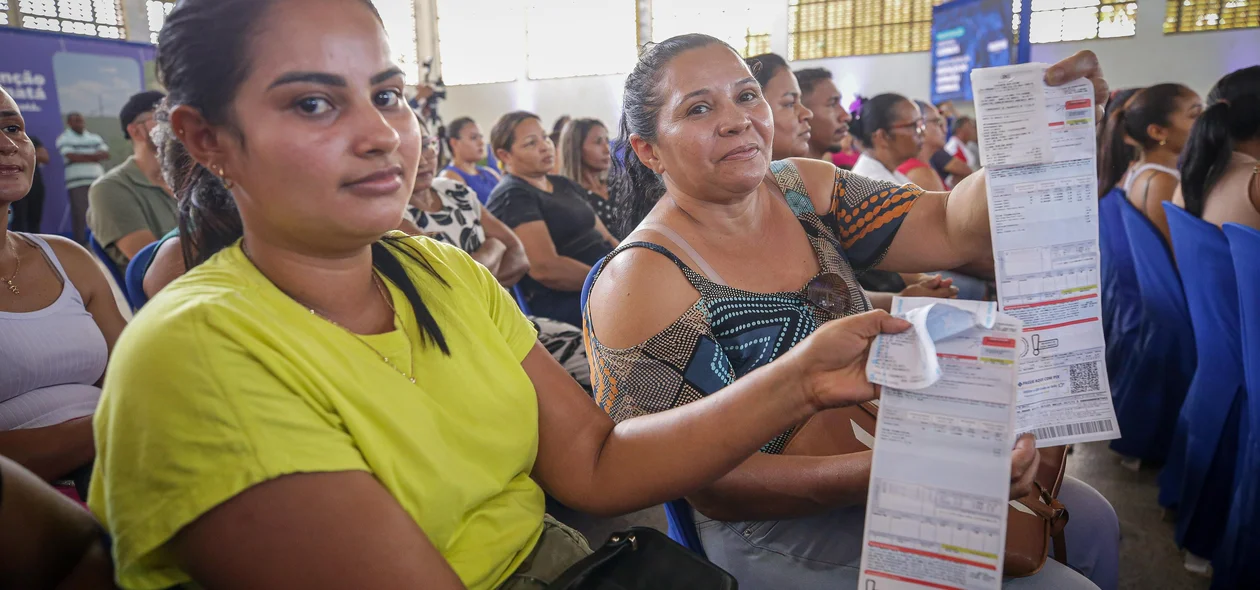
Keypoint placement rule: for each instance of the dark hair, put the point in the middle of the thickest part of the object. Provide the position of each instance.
(877, 113)
(1233, 114)
(1111, 170)
(959, 122)
(454, 128)
(1149, 106)
(635, 186)
(558, 127)
(808, 78)
(202, 59)
(503, 135)
(766, 66)
(137, 105)
(571, 141)
(73, 114)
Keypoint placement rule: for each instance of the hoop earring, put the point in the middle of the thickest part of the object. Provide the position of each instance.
(223, 177)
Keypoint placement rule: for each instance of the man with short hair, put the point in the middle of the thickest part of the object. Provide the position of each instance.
(960, 145)
(131, 206)
(83, 152)
(830, 124)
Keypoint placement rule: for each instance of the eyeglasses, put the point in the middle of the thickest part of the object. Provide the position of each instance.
(829, 292)
(916, 125)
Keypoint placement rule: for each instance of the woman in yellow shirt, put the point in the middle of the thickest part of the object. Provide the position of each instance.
(318, 407)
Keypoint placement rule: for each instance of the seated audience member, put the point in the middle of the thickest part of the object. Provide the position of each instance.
(921, 169)
(316, 406)
(448, 211)
(562, 235)
(670, 327)
(790, 118)
(890, 131)
(963, 143)
(793, 138)
(848, 154)
(130, 207)
(1112, 174)
(58, 323)
(28, 213)
(1158, 119)
(829, 127)
(587, 156)
(46, 540)
(949, 168)
(468, 147)
(1220, 176)
(557, 129)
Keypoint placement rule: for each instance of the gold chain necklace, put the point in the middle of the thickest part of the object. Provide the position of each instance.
(376, 281)
(17, 259)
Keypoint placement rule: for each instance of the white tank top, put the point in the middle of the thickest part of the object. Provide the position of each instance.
(1128, 182)
(50, 359)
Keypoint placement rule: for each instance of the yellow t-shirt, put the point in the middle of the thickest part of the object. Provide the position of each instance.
(223, 382)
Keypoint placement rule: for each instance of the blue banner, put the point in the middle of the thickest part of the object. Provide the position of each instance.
(968, 34)
(51, 75)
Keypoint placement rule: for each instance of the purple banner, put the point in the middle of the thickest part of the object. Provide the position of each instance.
(51, 75)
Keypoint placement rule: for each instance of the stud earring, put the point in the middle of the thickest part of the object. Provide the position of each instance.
(1163, 142)
(222, 174)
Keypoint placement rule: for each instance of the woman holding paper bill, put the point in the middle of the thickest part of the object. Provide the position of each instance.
(709, 287)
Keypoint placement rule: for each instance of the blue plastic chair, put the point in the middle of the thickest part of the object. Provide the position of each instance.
(100, 253)
(1235, 564)
(1121, 300)
(520, 299)
(1199, 477)
(136, 268)
(1158, 374)
(682, 524)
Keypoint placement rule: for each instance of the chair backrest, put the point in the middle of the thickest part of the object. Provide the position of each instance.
(1163, 300)
(1244, 245)
(135, 275)
(588, 283)
(103, 256)
(520, 299)
(1211, 289)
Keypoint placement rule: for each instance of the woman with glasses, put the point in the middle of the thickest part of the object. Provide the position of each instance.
(890, 130)
(929, 167)
(735, 259)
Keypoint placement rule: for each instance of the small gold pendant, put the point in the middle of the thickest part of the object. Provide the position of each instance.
(13, 288)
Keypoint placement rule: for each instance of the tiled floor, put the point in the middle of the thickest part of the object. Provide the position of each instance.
(1149, 560)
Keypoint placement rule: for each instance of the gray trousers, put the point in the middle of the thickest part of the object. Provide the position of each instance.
(78, 212)
(824, 551)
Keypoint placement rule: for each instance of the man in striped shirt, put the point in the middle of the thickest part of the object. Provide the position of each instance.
(83, 152)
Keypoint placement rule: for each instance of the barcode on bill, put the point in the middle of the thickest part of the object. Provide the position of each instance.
(1066, 430)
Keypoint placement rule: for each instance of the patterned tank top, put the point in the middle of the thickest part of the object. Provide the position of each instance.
(730, 332)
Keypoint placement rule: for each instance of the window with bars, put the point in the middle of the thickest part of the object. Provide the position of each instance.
(1074, 20)
(1187, 16)
(837, 28)
(157, 11)
(95, 18)
(744, 24)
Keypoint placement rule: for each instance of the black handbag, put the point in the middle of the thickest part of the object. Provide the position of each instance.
(643, 558)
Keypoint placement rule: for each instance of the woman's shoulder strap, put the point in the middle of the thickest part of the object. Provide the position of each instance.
(697, 281)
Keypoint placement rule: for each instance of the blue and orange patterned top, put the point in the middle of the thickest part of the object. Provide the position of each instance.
(729, 332)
